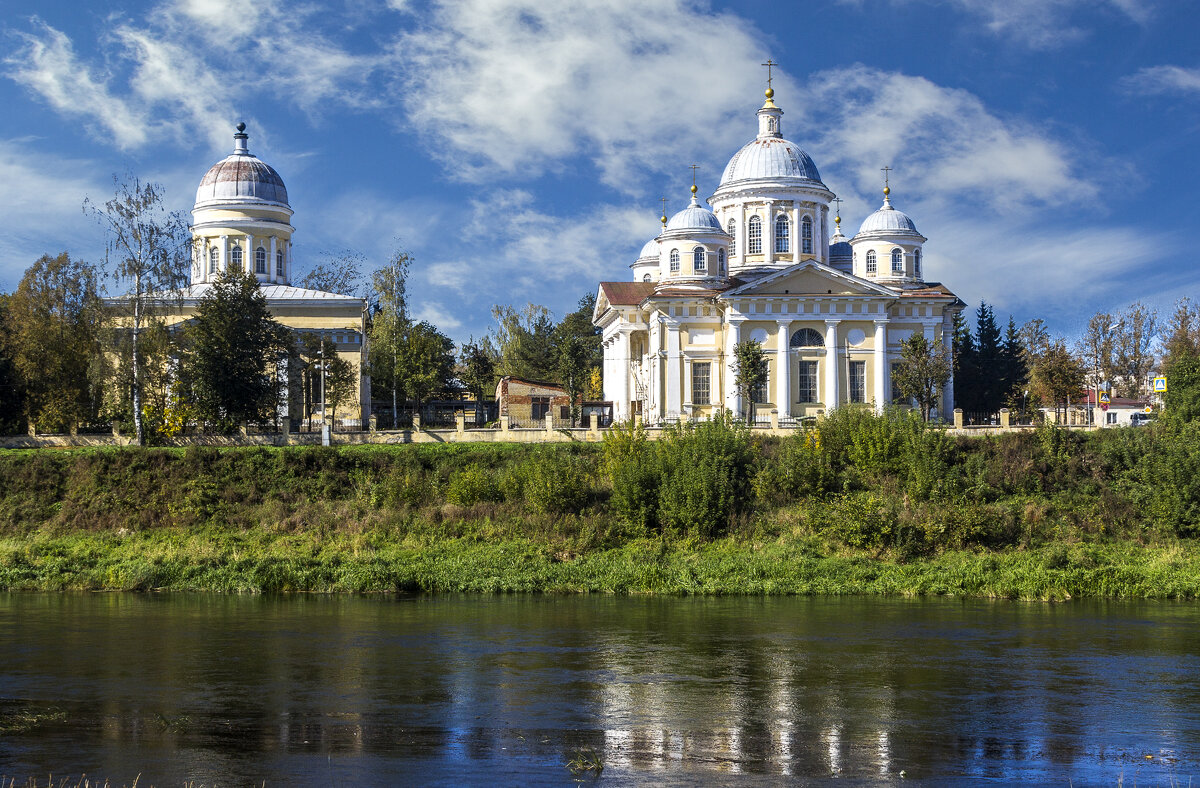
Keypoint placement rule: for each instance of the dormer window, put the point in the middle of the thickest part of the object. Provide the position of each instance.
(674, 261)
(806, 238)
(645, 277)
(754, 236)
(698, 264)
(782, 230)
(897, 260)
(872, 267)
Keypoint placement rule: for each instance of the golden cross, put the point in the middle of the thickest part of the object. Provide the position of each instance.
(663, 200)
(885, 171)
(838, 200)
(694, 168)
(769, 64)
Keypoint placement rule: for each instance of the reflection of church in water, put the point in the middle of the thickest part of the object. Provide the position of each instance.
(765, 263)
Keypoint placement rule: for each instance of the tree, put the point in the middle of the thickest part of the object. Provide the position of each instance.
(965, 367)
(1137, 326)
(1183, 388)
(12, 394)
(1096, 347)
(749, 371)
(1183, 334)
(325, 376)
(234, 351)
(425, 362)
(923, 369)
(524, 340)
(477, 370)
(1057, 376)
(339, 273)
(52, 337)
(989, 385)
(1015, 373)
(389, 322)
(572, 367)
(148, 255)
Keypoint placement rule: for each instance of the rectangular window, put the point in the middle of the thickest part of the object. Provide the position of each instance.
(896, 395)
(541, 406)
(701, 383)
(806, 391)
(1112, 417)
(759, 395)
(858, 381)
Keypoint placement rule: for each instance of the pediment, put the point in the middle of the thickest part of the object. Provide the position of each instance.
(809, 278)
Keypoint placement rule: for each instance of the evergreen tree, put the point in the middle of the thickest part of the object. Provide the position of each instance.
(965, 367)
(234, 346)
(990, 386)
(1016, 374)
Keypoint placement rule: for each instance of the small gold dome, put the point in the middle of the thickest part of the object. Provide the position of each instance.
(694, 188)
(886, 191)
(837, 220)
(769, 93)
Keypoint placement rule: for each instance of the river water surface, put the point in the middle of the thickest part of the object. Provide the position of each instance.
(315, 690)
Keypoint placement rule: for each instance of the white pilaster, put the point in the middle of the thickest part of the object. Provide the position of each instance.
(797, 244)
(783, 396)
(741, 234)
(271, 260)
(674, 403)
(769, 233)
(733, 335)
(881, 365)
(224, 253)
(831, 365)
(623, 364)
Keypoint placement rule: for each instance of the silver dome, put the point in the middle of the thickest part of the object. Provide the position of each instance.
(694, 217)
(770, 157)
(649, 250)
(241, 176)
(888, 220)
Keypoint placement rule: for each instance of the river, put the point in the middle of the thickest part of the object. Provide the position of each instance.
(509, 690)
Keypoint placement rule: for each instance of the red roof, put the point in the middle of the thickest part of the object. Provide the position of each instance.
(1115, 402)
(626, 293)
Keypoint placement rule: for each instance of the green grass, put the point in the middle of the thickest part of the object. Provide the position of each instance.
(370, 519)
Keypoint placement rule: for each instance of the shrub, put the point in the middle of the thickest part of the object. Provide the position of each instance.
(802, 469)
(705, 471)
(551, 481)
(470, 486)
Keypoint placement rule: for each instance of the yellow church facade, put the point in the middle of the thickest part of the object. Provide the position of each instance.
(762, 264)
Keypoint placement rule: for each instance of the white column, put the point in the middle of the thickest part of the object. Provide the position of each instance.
(674, 403)
(623, 363)
(733, 335)
(224, 254)
(769, 233)
(881, 365)
(783, 386)
(831, 365)
(274, 277)
(796, 243)
(741, 234)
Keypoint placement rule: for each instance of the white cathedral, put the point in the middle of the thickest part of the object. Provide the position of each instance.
(830, 312)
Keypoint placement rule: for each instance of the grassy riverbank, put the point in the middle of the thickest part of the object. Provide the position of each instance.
(863, 505)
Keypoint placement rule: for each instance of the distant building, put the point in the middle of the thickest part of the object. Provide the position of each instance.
(242, 221)
(528, 401)
(1120, 413)
(767, 262)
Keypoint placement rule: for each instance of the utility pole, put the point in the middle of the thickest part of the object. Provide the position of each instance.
(395, 337)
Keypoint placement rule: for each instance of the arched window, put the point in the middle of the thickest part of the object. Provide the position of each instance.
(260, 260)
(699, 266)
(674, 261)
(897, 260)
(214, 260)
(646, 277)
(782, 230)
(235, 258)
(732, 230)
(279, 262)
(807, 337)
(721, 261)
(806, 242)
(754, 236)
(917, 263)
(871, 262)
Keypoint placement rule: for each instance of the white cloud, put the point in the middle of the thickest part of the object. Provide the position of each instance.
(518, 87)
(437, 314)
(943, 143)
(1164, 79)
(47, 65)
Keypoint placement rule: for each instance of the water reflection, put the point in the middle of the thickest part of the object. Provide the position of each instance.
(311, 690)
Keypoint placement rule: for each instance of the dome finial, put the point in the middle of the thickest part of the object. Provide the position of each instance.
(770, 92)
(694, 189)
(239, 139)
(663, 200)
(887, 190)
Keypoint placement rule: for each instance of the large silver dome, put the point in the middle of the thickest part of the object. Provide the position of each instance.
(770, 157)
(241, 177)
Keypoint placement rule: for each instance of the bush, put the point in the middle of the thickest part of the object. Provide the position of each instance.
(470, 486)
(802, 469)
(551, 481)
(705, 471)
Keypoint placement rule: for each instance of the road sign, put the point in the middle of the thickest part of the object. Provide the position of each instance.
(1103, 406)
(1105, 398)
(1149, 409)
(1160, 385)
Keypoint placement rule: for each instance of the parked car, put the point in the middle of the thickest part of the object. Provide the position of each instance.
(1141, 419)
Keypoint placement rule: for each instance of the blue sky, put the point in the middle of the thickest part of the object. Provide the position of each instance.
(518, 149)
